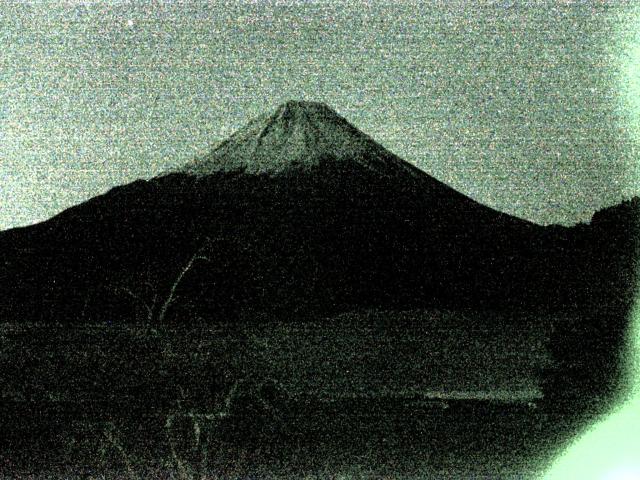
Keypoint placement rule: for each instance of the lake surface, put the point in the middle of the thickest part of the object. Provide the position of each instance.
(368, 395)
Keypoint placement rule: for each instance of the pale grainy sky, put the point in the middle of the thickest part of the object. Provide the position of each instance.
(521, 105)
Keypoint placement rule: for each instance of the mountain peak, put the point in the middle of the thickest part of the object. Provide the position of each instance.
(296, 106)
(297, 136)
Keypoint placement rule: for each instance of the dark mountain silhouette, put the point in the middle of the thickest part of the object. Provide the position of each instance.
(299, 211)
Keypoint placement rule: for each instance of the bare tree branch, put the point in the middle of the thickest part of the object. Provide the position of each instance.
(151, 299)
(111, 435)
(139, 299)
(169, 300)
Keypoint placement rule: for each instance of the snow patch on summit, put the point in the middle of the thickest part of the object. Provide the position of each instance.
(298, 136)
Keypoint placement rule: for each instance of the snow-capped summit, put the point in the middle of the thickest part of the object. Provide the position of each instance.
(298, 136)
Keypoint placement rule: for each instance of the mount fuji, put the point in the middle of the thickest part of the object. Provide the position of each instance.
(298, 211)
